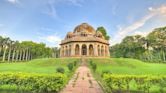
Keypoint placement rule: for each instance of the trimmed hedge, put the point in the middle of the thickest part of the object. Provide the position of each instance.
(34, 82)
(142, 83)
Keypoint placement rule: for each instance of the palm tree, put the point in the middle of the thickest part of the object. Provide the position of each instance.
(14, 50)
(1, 44)
(5, 44)
(20, 56)
(24, 54)
(10, 49)
(27, 52)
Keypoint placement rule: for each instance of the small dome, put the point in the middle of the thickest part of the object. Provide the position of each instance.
(99, 34)
(69, 35)
(84, 27)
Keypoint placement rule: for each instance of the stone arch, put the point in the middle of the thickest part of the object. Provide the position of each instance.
(102, 50)
(77, 50)
(98, 48)
(63, 51)
(91, 50)
(84, 49)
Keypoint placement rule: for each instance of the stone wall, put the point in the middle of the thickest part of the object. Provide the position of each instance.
(88, 49)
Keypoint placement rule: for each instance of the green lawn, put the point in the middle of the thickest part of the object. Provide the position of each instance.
(128, 66)
(46, 65)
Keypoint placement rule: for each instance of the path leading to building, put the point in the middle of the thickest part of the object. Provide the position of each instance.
(82, 81)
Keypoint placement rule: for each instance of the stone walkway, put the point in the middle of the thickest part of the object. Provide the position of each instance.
(82, 82)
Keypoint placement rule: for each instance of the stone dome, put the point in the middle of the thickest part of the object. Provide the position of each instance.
(84, 27)
(99, 34)
(69, 35)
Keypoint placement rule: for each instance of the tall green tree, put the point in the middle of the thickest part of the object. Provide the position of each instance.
(104, 32)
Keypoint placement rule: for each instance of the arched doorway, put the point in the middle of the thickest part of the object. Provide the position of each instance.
(91, 50)
(69, 50)
(63, 53)
(98, 50)
(102, 51)
(77, 50)
(84, 50)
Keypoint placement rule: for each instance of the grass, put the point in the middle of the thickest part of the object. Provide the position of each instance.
(46, 65)
(128, 66)
(40, 66)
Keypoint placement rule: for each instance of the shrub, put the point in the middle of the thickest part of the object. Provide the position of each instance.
(94, 67)
(60, 70)
(91, 62)
(143, 82)
(105, 72)
(70, 66)
(37, 83)
(75, 63)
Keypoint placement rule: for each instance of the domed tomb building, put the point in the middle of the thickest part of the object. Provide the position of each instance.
(84, 41)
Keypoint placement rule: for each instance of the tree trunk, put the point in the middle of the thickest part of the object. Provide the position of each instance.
(29, 56)
(20, 55)
(27, 52)
(163, 56)
(17, 55)
(4, 54)
(24, 52)
(9, 54)
(13, 56)
(0, 50)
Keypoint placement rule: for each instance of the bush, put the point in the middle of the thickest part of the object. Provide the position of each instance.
(75, 63)
(70, 66)
(94, 67)
(143, 82)
(105, 72)
(91, 62)
(37, 83)
(60, 70)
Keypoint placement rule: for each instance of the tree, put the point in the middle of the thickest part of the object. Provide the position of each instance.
(5, 44)
(151, 48)
(104, 32)
(22, 51)
(10, 50)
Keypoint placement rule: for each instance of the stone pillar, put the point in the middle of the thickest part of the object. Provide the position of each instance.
(95, 50)
(101, 50)
(87, 47)
(80, 50)
(104, 51)
(72, 49)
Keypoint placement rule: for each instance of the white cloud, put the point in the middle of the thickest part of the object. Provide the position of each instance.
(158, 11)
(52, 10)
(141, 33)
(51, 40)
(76, 2)
(14, 1)
(122, 32)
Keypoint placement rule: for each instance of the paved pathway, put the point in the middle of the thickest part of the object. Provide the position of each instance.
(82, 82)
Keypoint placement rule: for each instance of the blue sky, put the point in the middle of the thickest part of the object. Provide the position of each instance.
(48, 21)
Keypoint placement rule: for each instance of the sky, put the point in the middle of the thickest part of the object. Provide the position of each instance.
(48, 21)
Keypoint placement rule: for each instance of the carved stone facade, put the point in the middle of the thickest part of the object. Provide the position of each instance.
(84, 41)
